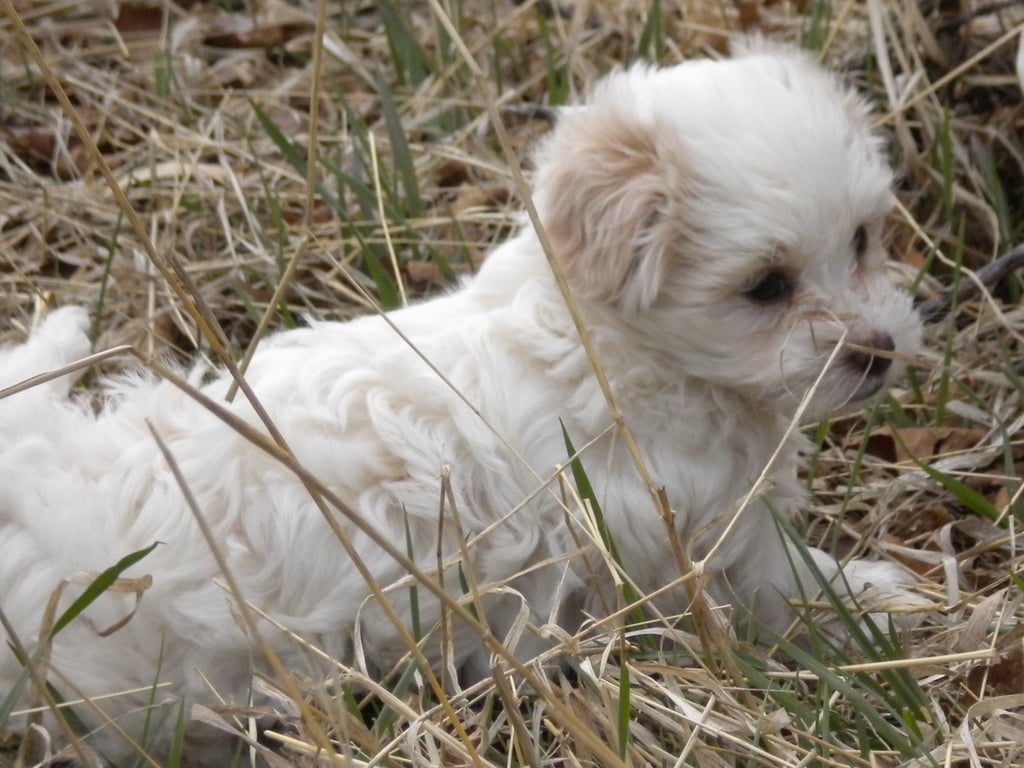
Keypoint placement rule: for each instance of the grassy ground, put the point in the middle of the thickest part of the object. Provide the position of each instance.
(258, 162)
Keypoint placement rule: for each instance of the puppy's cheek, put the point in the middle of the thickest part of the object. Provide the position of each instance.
(801, 363)
(811, 371)
(765, 370)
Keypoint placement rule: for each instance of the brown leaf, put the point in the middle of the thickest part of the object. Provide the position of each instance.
(921, 443)
(132, 19)
(1001, 678)
(451, 173)
(33, 143)
(424, 272)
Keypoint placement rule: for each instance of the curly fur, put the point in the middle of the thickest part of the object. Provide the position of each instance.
(669, 195)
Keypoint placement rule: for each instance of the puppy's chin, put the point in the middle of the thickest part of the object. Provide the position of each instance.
(868, 389)
(841, 393)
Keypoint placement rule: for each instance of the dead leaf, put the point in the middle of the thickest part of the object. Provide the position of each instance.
(134, 19)
(920, 443)
(1002, 678)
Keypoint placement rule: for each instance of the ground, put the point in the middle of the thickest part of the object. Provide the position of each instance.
(178, 167)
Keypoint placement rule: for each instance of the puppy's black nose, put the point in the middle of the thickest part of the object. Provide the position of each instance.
(867, 363)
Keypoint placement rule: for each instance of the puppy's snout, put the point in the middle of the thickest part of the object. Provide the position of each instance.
(865, 361)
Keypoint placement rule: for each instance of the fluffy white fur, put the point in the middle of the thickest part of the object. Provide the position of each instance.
(678, 201)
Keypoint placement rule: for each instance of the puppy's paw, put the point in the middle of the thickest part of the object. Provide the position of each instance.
(862, 575)
(882, 589)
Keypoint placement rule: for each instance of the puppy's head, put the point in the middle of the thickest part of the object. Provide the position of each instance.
(730, 213)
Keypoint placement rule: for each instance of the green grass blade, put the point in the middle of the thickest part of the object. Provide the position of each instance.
(966, 495)
(876, 713)
(411, 63)
(387, 718)
(387, 291)
(557, 77)
(414, 592)
(176, 752)
(818, 19)
(404, 167)
(293, 153)
(904, 695)
(295, 156)
(98, 309)
(99, 585)
(652, 38)
(586, 491)
(11, 697)
(623, 709)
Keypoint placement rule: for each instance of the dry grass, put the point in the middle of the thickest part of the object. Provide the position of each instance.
(174, 190)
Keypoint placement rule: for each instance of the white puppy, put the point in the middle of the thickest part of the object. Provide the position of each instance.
(719, 224)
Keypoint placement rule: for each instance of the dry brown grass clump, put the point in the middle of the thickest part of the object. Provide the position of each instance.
(182, 166)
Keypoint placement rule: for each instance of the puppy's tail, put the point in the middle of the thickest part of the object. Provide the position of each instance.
(60, 340)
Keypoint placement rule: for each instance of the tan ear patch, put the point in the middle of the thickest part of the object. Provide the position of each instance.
(600, 189)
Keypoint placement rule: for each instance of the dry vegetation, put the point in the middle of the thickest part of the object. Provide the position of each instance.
(174, 185)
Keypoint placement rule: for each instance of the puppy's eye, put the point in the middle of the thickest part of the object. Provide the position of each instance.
(860, 242)
(771, 287)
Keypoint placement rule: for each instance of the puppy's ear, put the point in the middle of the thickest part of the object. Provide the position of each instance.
(602, 198)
